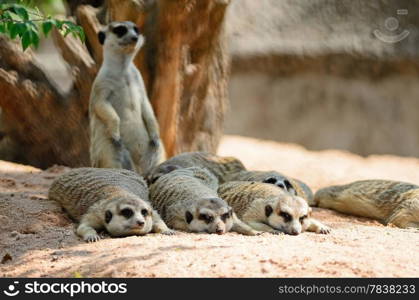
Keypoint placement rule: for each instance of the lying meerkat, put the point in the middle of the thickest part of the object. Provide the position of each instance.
(266, 207)
(124, 132)
(384, 200)
(187, 200)
(219, 166)
(293, 186)
(114, 199)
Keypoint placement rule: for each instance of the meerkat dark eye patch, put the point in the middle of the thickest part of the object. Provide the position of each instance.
(225, 216)
(144, 212)
(188, 217)
(287, 217)
(206, 218)
(120, 31)
(303, 218)
(268, 210)
(137, 31)
(101, 36)
(270, 180)
(127, 213)
(108, 216)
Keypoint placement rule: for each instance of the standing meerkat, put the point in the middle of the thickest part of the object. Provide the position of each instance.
(291, 185)
(123, 129)
(384, 200)
(114, 199)
(219, 166)
(266, 207)
(187, 200)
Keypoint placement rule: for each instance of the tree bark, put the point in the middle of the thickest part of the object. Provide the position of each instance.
(184, 63)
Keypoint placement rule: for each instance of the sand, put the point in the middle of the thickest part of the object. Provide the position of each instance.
(37, 239)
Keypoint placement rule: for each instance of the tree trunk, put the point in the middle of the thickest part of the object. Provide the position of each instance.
(184, 64)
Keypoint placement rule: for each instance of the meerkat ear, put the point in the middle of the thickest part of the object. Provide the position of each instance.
(188, 217)
(290, 188)
(268, 210)
(108, 216)
(101, 36)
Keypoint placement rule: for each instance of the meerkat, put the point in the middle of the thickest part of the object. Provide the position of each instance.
(111, 199)
(187, 200)
(266, 207)
(291, 185)
(384, 200)
(123, 129)
(219, 166)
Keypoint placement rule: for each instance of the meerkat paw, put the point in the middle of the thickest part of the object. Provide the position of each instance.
(169, 232)
(91, 238)
(254, 233)
(154, 142)
(324, 230)
(117, 142)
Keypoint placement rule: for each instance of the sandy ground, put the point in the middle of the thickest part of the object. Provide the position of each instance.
(37, 239)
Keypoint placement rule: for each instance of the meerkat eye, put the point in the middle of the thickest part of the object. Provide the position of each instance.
(206, 218)
(127, 213)
(120, 30)
(287, 217)
(137, 31)
(108, 216)
(302, 218)
(225, 216)
(270, 180)
(144, 212)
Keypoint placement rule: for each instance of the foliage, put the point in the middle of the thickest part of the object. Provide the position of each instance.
(21, 19)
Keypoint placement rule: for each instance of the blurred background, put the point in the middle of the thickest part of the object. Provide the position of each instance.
(325, 74)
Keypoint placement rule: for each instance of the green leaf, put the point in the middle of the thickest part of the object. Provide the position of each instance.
(35, 39)
(30, 37)
(13, 30)
(2, 27)
(20, 11)
(47, 27)
(26, 40)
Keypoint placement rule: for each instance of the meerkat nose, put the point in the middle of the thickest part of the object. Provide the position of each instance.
(294, 232)
(134, 38)
(219, 231)
(140, 223)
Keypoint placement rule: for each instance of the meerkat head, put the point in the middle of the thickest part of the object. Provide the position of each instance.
(211, 215)
(159, 172)
(128, 215)
(287, 213)
(121, 37)
(280, 182)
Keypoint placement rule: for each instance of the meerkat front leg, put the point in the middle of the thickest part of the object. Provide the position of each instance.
(105, 112)
(150, 122)
(86, 228)
(159, 226)
(317, 227)
(241, 227)
(263, 227)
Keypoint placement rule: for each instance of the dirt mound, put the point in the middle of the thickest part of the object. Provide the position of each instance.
(38, 239)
